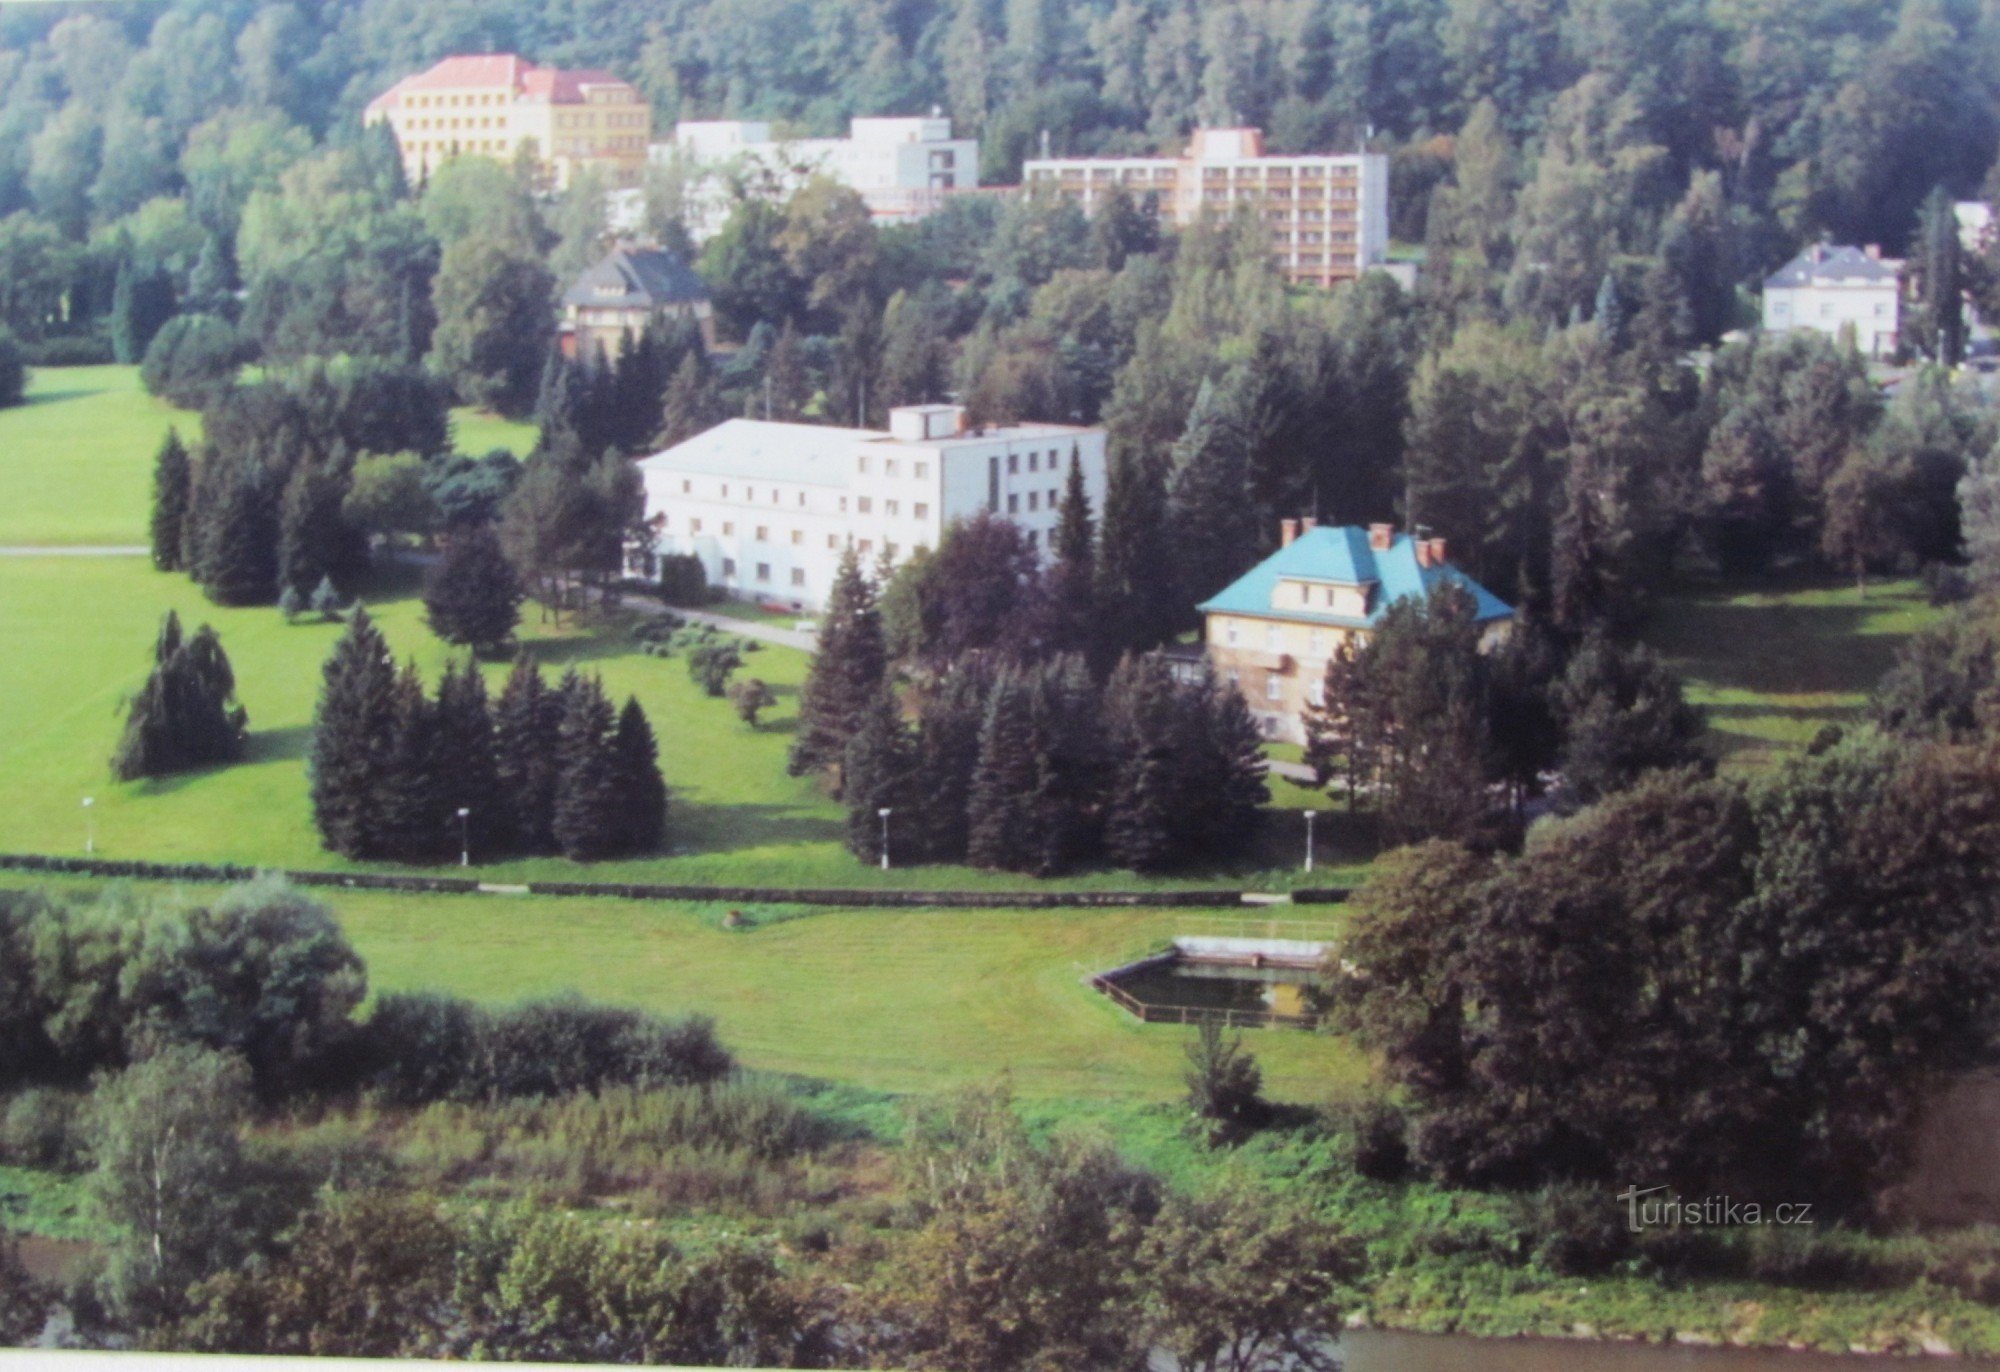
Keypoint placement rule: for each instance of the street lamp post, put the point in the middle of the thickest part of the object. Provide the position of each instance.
(884, 813)
(1311, 815)
(89, 826)
(464, 837)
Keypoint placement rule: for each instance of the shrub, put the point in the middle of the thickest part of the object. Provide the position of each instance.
(712, 662)
(13, 369)
(69, 350)
(1375, 1136)
(683, 580)
(1576, 1230)
(192, 359)
(1224, 1084)
(40, 1128)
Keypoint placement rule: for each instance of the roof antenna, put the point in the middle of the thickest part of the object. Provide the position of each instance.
(1045, 145)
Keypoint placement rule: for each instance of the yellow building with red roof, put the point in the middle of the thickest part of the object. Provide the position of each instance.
(496, 105)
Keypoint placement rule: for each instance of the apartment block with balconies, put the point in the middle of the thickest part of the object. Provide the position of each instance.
(1327, 214)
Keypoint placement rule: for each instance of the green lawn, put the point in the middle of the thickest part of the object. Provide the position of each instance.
(80, 631)
(76, 460)
(479, 433)
(892, 1000)
(1772, 665)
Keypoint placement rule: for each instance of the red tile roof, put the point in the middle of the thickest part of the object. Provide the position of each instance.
(551, 84)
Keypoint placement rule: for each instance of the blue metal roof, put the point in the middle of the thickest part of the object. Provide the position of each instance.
(1341, 556)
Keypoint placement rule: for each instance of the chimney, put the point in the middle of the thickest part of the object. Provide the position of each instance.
(1308, 524)
(1288, 529)
(1380, 536)
(1438, 552)
(1874, 251)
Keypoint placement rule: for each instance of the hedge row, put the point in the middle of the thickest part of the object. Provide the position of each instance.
(758, 895)
(1321, 895)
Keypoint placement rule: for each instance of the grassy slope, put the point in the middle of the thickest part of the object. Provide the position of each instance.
(891, 1000)
(76, 461)
(80, 631)
(478, 433)
(1774, 664)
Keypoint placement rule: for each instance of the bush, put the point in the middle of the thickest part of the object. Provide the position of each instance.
(40, 1128)
(1224, 1084)
(192, 359)
(1577, 1231)
(69, 350)
(683, 580)
(13, 369)
(1945, 584)
(1375, 1136)
(711, 663)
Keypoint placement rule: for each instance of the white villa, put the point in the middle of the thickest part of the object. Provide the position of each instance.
(769, 508)
(1828, 289)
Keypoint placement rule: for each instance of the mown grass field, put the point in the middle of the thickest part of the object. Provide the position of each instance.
(904, 1001)
(76, 459)
(1774, 664)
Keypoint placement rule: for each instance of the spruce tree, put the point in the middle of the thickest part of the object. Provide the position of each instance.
(472, 596)
(1136, 571)
(881, 773)
(689, 404)
(845, 674)
(948, 728)
(352, 729)
(589, 821)
(787, 387)
(237, 550)
(1075, 625)
(315, 541)
(468, 773)
(1001, 815)
(642, 791)
(173, 495)
(410, 800)
(186, 714)
(1208, 506)
(1148, 796)
(1228, 771)
(525, 724)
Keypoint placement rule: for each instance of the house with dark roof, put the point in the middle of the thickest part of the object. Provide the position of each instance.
(1271, 631)
(1830, 290)
(625, 291)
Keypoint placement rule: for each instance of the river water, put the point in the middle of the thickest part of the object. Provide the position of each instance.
(1382, 1350)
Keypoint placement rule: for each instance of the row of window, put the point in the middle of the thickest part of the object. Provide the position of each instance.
(439, 101)
(893, 467)
(1274, 639)
(483, 122)
(797, 537)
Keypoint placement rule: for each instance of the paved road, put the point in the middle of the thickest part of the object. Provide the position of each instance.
(99, 550)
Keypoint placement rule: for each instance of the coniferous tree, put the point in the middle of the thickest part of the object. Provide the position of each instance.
(1229, 771)
(1001, 812)
(1070, 761)
(352, 729)
(410, 804)
(589, 821)
(467, 767)
(1144, 811)
(1136, 568)
(948, 728)
(472, 596)
(186, 714)
(236, 557)
(173, 496)
(787, 387)
(642, 791)
(1074, 625)
(1215, 537)
(845, 674)
(526, 722)
(315, 541)
(689, 405)
(880, 772)
(141, 302)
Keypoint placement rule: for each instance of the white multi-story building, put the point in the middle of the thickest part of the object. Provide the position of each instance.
(769, 508)
(902, 168)
(1328, 213)
(1829, 290)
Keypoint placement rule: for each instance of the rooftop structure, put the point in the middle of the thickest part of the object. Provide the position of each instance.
(1829, 289)
(1328, 213)
(1271, 631)
(770, 508)
(498, 104)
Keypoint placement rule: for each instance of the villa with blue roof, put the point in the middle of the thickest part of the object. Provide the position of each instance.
(1271, 631)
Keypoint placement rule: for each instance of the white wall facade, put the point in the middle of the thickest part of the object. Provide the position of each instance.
(775, 531)
(1871, 309)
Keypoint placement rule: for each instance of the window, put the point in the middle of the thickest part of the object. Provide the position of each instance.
(1013, 463)
(1034, 462)
(687, 487)
(1034, 539)
(728, 529)
(922, 511)
(888, 466)
(843, 504)
(725, 490)
(1013, 504)
(1318, 642)
(993, 483)
(866, 546)
(864, 464)
(729, 566)
(833, 540)
(774, 495)
(1273, 638)
(1229, 632)
(763, 571)
(763, 533)
(923, 470)
(694, 526)
(802, 498)
(889, 551)
(798, 538)
(1274, 687)
(798, 576)
(1316, 693)
(863, 504)
(1034, 500)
